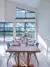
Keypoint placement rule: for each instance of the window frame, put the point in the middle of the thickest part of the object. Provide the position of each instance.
(25, 14)
(33, 32)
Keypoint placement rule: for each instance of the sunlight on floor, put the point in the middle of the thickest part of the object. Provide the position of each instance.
(45, 52)
(42, 42)
(2, 51)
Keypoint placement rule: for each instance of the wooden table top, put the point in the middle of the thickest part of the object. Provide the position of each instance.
(23, 49)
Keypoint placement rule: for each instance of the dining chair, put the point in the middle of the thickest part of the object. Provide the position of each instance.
(11, 53)
(36, 44)
(8, 46)
(21, 41)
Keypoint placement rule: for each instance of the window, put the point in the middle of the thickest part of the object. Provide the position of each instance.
(30, 14)
(23, 27)
(20, 13)
(20, 28)
(24, 14)
(6, 31)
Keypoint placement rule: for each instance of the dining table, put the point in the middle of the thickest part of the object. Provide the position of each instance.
(23, 49)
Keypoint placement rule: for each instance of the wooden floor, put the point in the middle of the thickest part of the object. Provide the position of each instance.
(24, 66)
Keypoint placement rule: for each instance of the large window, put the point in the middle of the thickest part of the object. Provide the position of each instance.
(6, 31)
(26, 27)
(25, 24)
(22, 13)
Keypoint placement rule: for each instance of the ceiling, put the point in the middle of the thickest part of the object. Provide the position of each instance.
(30, 3)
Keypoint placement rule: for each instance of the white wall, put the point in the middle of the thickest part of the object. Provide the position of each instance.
(2, 10)
(10, 11)
(43, 19)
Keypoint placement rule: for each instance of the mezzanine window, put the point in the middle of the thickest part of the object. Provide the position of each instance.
(24, 14)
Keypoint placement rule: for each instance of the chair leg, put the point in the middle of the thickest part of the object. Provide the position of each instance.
(23, 59)
(29, 57)
(8, 59)
(36, 59)
(15, 59)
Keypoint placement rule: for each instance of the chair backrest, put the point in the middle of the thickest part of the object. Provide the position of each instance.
(37, 44)
(16, 41)
(30, 43)
(8, 45)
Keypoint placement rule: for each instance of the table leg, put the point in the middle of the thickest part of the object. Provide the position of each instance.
(27, 59)
(18, 59)
(28, 65)
(36, 59)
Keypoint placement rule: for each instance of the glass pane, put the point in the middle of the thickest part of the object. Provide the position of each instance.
(8, 33)
(20, 14)
(1, 29)
(30, 15)
(20, 29)
(1, 26)
(20, 24)
(30, 24)
(1, 33)
(19, 33)
(30, 29)
(1, 36)
(8, 38)
(8, 29)
(8, 26)
(32, 35)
